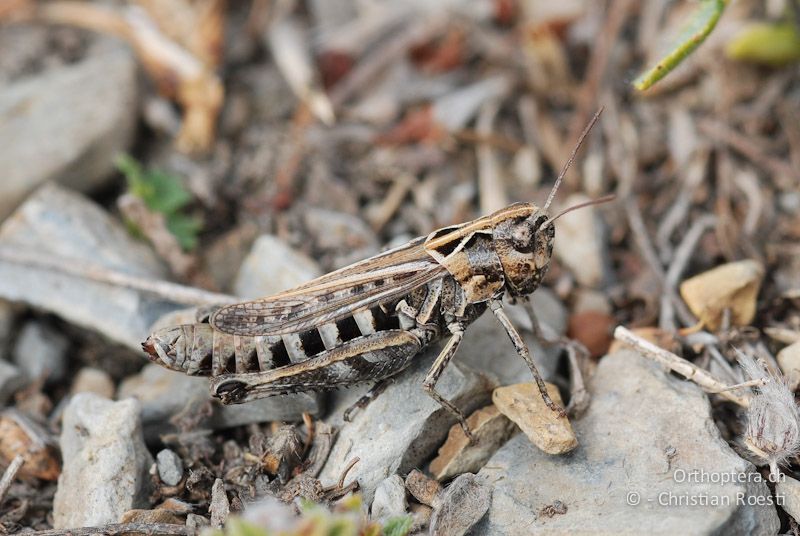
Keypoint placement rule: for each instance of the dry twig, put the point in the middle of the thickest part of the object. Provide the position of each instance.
(10, 474)
(688, 370)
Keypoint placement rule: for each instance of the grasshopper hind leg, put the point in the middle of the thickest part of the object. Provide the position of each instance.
(447, 353)
(374, 392)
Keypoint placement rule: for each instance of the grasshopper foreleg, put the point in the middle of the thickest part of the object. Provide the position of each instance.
(524, 353)
(435, 372)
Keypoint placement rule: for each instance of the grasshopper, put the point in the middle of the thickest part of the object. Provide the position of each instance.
(367, 321)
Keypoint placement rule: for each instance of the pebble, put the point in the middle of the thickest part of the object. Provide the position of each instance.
(11, 380)
(271, 267)
(422, 487)
(170, 467)
(67, 123)
(92, 380)
(106, 463)
(164, 393)
(787, 490)
(57, 223)
(20, 435)
(220, 507)
(523, 404)
(41, 352)
(418, 424)
(789, 362)
(581, 243)
(460, 506)
(390, 499)
(731, 286)
(640, 439)
(593, 329)
(490, 428)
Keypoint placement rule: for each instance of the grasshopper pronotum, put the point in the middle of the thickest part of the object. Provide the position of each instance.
(367, 321)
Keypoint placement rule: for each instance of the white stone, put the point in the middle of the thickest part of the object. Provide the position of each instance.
(106, 463)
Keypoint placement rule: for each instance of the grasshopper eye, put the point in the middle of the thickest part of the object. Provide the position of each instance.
(231, 391)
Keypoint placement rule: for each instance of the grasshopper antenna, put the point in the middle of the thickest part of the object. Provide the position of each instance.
(598, 201)
(572, 158)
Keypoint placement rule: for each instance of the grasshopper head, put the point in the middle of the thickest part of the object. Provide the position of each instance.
(524, 245)
(185, 348)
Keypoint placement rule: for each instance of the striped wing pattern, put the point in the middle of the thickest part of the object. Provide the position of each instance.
(379, 279)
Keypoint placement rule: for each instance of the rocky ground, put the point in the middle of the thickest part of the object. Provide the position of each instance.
(285, 141)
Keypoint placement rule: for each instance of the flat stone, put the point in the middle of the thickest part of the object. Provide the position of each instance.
(11, 380)
(523, 404)
(271, 267)
(41, 352)
(789, 361)
(486, 346)
(164, 393)
(390, 500)
(67, 123)
(640, 440)
(106, 463)
(581, 243)
(460, 506)
(490, 428)
(65, 226)
(729, 287)
(170, 467)
(403, 426)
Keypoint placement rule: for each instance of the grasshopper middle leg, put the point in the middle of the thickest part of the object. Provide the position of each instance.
(429, 384)
(524, 353)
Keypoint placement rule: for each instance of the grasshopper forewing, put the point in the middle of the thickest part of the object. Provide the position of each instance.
(367, 321)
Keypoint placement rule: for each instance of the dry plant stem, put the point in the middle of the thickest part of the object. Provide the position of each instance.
(724, 134)
(73, 268)
(642, 239)
(9, 475)
(386, 209)
(117, 529)
(758, 382)
(688, 370)
(177, 72)
(373, 64)
(598, 61)
(491, 190)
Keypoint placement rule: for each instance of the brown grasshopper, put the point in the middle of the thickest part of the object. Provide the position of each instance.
(367, 321)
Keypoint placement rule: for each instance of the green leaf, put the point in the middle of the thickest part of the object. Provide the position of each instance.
(769, 44)
(164, 193)
(700, 24)
(398, 526)
(185, 229)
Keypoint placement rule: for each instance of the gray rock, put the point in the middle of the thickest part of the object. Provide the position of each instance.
(581, 243)
(11, 380)
(787, 495)
(41, 352)
(164, 393)
(390, 499)
(272, 266)
(403, 426)
(460, 506)
(61, 225)
(106, 463)
(170, 467)
(486, 346)
(641, 441)
(67, 123)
